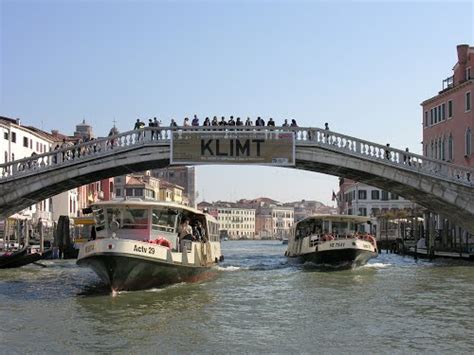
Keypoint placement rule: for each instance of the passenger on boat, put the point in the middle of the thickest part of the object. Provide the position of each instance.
(198, 232)
(185, 230)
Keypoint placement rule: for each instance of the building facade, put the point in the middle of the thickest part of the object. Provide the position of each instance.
(183, 176)
(448, 124)
(237, 222)
(359, 199)
(277, 220)
(17, 142)
(448, 118)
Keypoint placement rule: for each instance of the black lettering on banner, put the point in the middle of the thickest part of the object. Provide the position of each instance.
(239, 148)
(206, 146)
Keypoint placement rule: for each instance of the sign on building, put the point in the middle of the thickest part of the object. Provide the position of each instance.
(236, 147)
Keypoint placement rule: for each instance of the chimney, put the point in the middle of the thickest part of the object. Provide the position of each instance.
(462, 53)
(54, 132)
(18, 121)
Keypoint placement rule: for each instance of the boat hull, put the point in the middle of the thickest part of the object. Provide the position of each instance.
(339, 258)
(125, 264)
(124, 272)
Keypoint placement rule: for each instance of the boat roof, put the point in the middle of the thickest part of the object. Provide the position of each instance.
(142, 203)
(340, 218)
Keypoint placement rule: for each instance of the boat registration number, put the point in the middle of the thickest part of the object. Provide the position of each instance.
(90, 248)
(144, 249)
(337, 245)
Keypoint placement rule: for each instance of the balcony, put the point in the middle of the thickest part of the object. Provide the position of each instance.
(448, 83)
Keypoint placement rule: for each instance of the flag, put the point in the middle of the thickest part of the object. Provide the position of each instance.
(334, 197)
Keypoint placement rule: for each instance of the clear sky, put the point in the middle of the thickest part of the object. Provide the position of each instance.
(362, 66)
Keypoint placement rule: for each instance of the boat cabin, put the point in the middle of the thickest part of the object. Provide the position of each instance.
(336, 226)
(149, 221)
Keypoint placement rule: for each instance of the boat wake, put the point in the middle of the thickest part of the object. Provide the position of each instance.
(228, 268)
(376, 266)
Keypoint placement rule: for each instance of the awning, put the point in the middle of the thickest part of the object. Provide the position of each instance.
(84, 221)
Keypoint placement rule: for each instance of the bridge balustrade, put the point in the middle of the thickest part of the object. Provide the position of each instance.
(329, 140)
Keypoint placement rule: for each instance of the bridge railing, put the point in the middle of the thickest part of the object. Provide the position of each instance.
(70, 154)
(388, 155)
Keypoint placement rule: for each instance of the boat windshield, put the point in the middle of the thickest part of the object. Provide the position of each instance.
(164, 219)
(339, 228)
(128, 218)
(309, 227)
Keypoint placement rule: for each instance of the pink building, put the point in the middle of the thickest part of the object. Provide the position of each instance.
(448, 119)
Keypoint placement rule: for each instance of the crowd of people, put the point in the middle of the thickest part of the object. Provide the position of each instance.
(208, 122)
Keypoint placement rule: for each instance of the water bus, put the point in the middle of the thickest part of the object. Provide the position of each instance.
(333, 240)
(137, 244)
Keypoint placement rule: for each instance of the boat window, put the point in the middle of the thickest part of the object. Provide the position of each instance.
(163, 219)
(113, 214)
(99, 216)
(135, 218)
(339, 228)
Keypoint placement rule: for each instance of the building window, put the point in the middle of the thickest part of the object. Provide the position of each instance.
(426, 119)
(31, 143)
(6, 157)
(375, 195)
(363, 211)
(13, 156)
(439, 149)
(468, 149)
(468, 73)
(468, 101)
(443, 112)
(5, 135)
(393, 196)
(384, 195)
(443, 149)
(450, 108)
(13, 137)
(25, 142)
(128, 192)
(362, 195)
(450, 147)
(118, 192)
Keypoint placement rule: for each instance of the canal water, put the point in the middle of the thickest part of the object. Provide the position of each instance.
(257, 302)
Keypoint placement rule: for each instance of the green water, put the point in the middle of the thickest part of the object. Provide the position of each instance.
(257, 302)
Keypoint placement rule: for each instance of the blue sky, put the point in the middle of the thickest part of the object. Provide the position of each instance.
(364, 67)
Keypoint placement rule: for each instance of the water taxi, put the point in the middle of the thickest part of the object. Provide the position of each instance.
(333, 240)
(140, 244)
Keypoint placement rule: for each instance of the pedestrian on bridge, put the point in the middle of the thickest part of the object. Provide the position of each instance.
(406, 158)
(326, 135)
(293, 123)
(387, 152)
(195, 121)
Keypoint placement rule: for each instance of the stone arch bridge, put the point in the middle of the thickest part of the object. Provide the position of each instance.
(438, 186)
